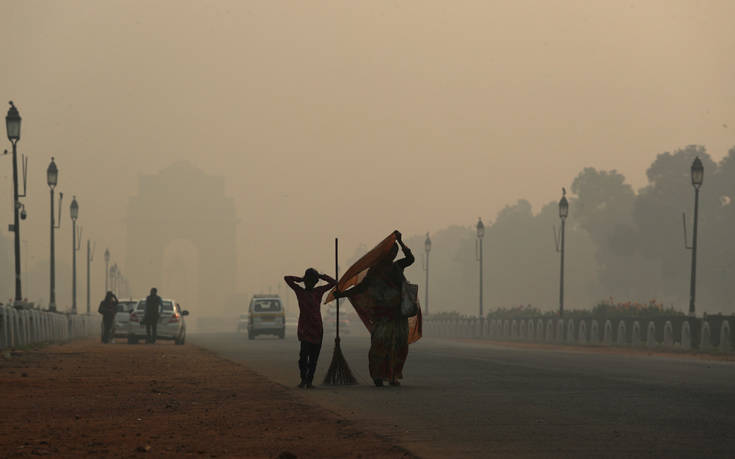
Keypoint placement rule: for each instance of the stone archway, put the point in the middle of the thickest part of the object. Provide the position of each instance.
(182, 202)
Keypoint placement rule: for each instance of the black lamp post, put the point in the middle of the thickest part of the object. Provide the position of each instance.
(697, 179)
(107, 269)
(480, 235)
(74, 211)
(52, 178)
(427, 247)
(563, 213)
(12, 124)
(113, 278)
(90, 259)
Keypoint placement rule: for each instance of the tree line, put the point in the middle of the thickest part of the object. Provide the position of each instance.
(622, 244)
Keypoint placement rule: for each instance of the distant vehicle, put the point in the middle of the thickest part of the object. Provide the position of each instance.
(266, 316)
(122, 317)
(171, 324)
(242, 323)
(329, 318)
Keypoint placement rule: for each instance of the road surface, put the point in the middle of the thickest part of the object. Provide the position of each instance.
(476, 399)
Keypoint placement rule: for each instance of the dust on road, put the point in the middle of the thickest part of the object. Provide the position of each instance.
(89, 399)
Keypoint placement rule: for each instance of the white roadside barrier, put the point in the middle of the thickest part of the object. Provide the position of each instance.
(708, 333)
(23, 327)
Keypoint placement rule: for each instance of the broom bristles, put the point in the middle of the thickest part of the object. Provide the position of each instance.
(339, 373)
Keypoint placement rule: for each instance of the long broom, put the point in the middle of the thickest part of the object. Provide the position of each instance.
(339, 373)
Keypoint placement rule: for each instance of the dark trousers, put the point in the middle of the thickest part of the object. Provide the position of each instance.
(150, 331)
(107, 323)
(307, 360)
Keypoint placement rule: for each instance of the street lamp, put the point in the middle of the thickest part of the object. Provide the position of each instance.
(107, 268)
(427, 247)
(113, 278)
(74, 212)
(90, 259)
(480, 235)
(697, 179)
(12, 125)
(563, 213)
(52, 178)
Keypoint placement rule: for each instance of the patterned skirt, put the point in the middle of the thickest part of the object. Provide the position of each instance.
(388, 348)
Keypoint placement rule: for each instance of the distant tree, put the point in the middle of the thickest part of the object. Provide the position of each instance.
(450, 290)
(604, 208)
(657, 216)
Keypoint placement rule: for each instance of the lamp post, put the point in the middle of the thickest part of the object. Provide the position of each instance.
(12, 124)
(480, 235)
(563, 213)
(697, 179)
(52, 178)
(90, 258)
(427, 247)
(107, 268)
(74, 211)
(113, 278)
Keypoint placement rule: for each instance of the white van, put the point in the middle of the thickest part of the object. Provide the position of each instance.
(266, 316)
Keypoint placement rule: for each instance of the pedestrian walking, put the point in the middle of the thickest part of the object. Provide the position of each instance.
(108, 309)
(153, 308)
(310, 328)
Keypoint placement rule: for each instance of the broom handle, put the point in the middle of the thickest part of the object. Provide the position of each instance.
(336, 276)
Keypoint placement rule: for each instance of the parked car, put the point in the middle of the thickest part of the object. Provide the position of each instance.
(122, 317)
(266, 316)
(329, 318)
(242, 323)
(171, 324)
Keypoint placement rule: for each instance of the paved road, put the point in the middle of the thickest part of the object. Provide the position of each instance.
(479, 400)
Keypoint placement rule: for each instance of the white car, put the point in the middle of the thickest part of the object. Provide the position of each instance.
(242, 323)
(266, 316)
(329, 319)
(171, 325)
(122, 317)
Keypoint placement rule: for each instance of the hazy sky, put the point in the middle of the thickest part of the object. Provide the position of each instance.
(351, 119)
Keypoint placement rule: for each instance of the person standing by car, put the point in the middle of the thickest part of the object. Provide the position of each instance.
(310, 329)
(108, 309)
(153, 308)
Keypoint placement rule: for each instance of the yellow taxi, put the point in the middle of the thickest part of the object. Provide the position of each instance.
(266, 316)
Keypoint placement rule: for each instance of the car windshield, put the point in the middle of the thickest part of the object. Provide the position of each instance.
(267, 306)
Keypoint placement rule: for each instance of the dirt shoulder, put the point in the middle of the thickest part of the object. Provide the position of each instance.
(116, 400)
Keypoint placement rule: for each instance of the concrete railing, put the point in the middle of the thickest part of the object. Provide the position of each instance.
(22, 327)
(674, 332)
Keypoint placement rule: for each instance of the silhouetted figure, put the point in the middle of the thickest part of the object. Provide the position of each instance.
(153, 308)
(310, 331)
(389, 337)
(108, 309)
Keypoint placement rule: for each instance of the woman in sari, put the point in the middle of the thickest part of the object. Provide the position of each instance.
(389, 336)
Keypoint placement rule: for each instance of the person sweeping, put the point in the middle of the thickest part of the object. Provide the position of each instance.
(392, 317)
(310, 328)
